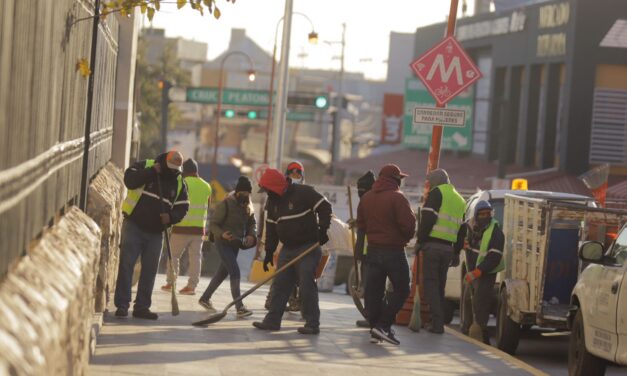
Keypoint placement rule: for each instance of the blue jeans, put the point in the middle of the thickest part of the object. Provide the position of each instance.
(304, 272)
(228, 267)
(135, 243)
(384, 264)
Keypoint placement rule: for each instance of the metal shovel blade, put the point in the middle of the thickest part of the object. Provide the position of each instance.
(211, 319)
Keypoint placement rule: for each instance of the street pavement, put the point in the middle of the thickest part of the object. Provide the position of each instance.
(171, 346)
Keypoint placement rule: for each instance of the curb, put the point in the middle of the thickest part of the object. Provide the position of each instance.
(501, 354)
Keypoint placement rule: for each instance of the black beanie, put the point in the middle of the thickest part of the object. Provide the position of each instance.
(364, 183)
(243, 185)
(190, 166)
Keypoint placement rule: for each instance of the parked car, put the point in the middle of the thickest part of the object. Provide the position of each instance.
(598, 316)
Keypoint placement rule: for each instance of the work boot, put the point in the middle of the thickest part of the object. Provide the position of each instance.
(386, 335)
(308, 330)
(206, 304)
(121, 312)
(263, 326)
(145, 314)
(187, 291)
(362, 324)
(167, 287)
(243, 312)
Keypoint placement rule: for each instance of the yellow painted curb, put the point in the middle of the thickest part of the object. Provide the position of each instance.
(501, 354)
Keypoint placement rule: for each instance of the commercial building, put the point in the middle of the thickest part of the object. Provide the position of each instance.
(554, 86)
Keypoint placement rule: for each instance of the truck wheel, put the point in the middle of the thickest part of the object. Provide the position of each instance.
(449, 311)
(580, 361)
(507, 330)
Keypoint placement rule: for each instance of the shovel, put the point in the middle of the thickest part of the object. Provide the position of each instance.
(174, 302)
(220, 315)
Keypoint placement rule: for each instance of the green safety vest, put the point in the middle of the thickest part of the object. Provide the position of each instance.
(133, 195)
(483, 249)
(450, 215)
(198, 192)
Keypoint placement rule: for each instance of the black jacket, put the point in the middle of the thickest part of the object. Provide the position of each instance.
(296, 217)
(471, 241)
(148, 208)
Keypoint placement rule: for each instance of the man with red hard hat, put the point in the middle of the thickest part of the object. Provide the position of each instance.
(298, 217)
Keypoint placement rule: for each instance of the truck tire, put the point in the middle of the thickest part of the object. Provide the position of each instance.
(449, 311)
(580, 361)
(507, 330)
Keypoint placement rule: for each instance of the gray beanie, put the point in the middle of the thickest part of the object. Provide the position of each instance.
(190, 166)
(437, 177)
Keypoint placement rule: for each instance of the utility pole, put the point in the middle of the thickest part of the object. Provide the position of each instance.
(281, 98)
(339, 101)
(504, 120)
(165, 104)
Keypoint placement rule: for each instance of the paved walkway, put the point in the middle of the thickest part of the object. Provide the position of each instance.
(170, 346)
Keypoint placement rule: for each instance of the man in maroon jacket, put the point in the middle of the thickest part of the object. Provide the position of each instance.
(385, 215)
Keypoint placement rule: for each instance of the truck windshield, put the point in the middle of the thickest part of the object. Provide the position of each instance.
(498, 206)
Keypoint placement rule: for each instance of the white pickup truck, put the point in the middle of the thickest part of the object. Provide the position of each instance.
(598, 316)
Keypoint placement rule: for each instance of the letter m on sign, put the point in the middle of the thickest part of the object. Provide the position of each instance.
(446, 70)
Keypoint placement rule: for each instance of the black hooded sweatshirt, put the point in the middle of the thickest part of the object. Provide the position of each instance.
(148, 208)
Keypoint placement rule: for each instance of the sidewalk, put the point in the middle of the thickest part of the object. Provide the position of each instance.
(170, 346)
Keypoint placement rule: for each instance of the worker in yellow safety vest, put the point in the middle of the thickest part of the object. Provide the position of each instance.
(440, 220)
(156, 199)
(191, 231)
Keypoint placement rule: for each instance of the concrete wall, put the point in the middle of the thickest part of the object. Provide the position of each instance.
(45, 306)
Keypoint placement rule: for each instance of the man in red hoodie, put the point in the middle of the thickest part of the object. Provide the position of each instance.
(385, 215)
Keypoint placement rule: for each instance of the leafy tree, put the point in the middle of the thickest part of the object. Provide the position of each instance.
(148, 81)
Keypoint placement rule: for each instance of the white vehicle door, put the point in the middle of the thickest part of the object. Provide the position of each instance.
(602, 288)
(619, 252)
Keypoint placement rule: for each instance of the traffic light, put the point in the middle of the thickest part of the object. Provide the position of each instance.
(229, 114)
(315, 101)
(252, 115)
(321, 101)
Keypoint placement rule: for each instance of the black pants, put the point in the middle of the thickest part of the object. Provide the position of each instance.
(436, 260)
(477, 302)
(383, 264)
(305, 273)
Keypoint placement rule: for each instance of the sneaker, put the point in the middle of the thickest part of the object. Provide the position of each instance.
(121, 312)
(374, 339)
(385, 335)
(206, 304)
(167, 287)
(243, 312)
(362, 324)
(263, 326)
(308, 330)
(145, 314)
(187, 291)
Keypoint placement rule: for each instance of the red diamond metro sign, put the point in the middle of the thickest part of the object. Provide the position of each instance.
(446, 70)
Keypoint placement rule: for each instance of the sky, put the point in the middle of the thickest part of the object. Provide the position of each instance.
(368, 25)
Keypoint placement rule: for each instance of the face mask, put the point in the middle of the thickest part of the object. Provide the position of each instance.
(297, 181)
(483, 223)
(398, 181)
(242, 199)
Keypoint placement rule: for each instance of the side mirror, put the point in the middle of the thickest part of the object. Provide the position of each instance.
(591, 252)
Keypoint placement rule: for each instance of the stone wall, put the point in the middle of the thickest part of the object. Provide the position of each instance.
(104, 206)
(47, 303)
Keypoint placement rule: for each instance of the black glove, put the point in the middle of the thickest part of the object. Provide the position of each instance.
(268, 260)
(322, 236)
(455, 261)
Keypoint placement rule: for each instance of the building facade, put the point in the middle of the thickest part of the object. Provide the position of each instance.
(554, 86)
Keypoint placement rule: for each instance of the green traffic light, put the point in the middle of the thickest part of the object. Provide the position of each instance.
(321, 102)
(229, 114)
(252, 115)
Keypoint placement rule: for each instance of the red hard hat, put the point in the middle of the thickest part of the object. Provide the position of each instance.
(296, 165)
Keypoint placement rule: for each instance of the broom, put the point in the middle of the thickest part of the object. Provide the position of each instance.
(174, 301)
